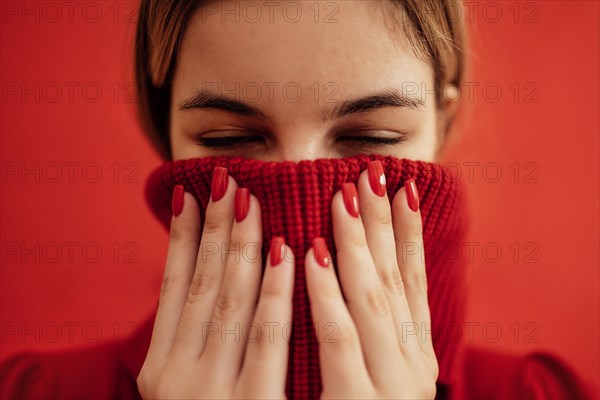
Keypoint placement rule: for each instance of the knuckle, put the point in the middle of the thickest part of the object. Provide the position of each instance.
(418, 281)
(225, 306)
(391, 278)
(344, 337)
(271, 290)
(213, 223)
(353, 243)
(378, 302)
(266, 344)
(176, 233)
(202, 282)
(169, 282)
(383, 219)
(261, 347)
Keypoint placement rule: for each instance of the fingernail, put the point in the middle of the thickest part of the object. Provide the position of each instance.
(242, 203)
(177, 203)
(277, 250)
(376, 178)
(320, 251)
(219, 183)
(350, 198)
(412, 195)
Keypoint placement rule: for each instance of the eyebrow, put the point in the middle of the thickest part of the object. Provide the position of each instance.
(206, 99)
(386, 98)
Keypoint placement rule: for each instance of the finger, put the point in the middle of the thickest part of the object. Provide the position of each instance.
(236, 301)
(210, 267)
(266, 357)
(340, 353)
(408, 230)
(376, 214)
(181, 258)
(366, 299)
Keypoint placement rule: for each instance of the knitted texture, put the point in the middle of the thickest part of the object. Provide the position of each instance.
(295, 199)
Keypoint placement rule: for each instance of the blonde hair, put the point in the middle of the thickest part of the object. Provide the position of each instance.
(434, 28)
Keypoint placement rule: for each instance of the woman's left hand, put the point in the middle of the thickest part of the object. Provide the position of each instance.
(375, 339)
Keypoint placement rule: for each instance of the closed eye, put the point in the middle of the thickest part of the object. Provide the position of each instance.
(229, 142)
(372, 142)
(235, 142)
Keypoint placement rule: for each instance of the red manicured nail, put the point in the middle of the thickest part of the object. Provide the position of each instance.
(376, 178)
(412, 195)
(219, 183)
(177, 203)
(277, 250)
(320, 251)
(350, 198)
(242, 203)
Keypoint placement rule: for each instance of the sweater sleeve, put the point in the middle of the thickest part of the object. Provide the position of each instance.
(536, 375)
(92, 372)
(24, 376)
(546, 376)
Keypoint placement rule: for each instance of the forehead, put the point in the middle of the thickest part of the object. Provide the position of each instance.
(349, 43)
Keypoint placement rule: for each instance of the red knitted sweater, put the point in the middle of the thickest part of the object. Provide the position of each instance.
(296, 203)
(296, 200)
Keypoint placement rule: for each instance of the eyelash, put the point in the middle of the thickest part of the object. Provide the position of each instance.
(235, 142)
(230, 142)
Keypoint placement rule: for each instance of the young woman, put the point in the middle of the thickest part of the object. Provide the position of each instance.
(291, 82)
(361, 94)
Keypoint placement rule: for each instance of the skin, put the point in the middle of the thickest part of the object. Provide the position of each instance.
(372, 357)
(339, 59)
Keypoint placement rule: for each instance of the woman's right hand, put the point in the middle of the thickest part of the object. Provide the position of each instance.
(211, 339)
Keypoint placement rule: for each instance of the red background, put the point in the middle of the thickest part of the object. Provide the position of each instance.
(529, 153)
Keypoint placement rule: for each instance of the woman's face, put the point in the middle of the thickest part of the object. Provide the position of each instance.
(338, 82)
